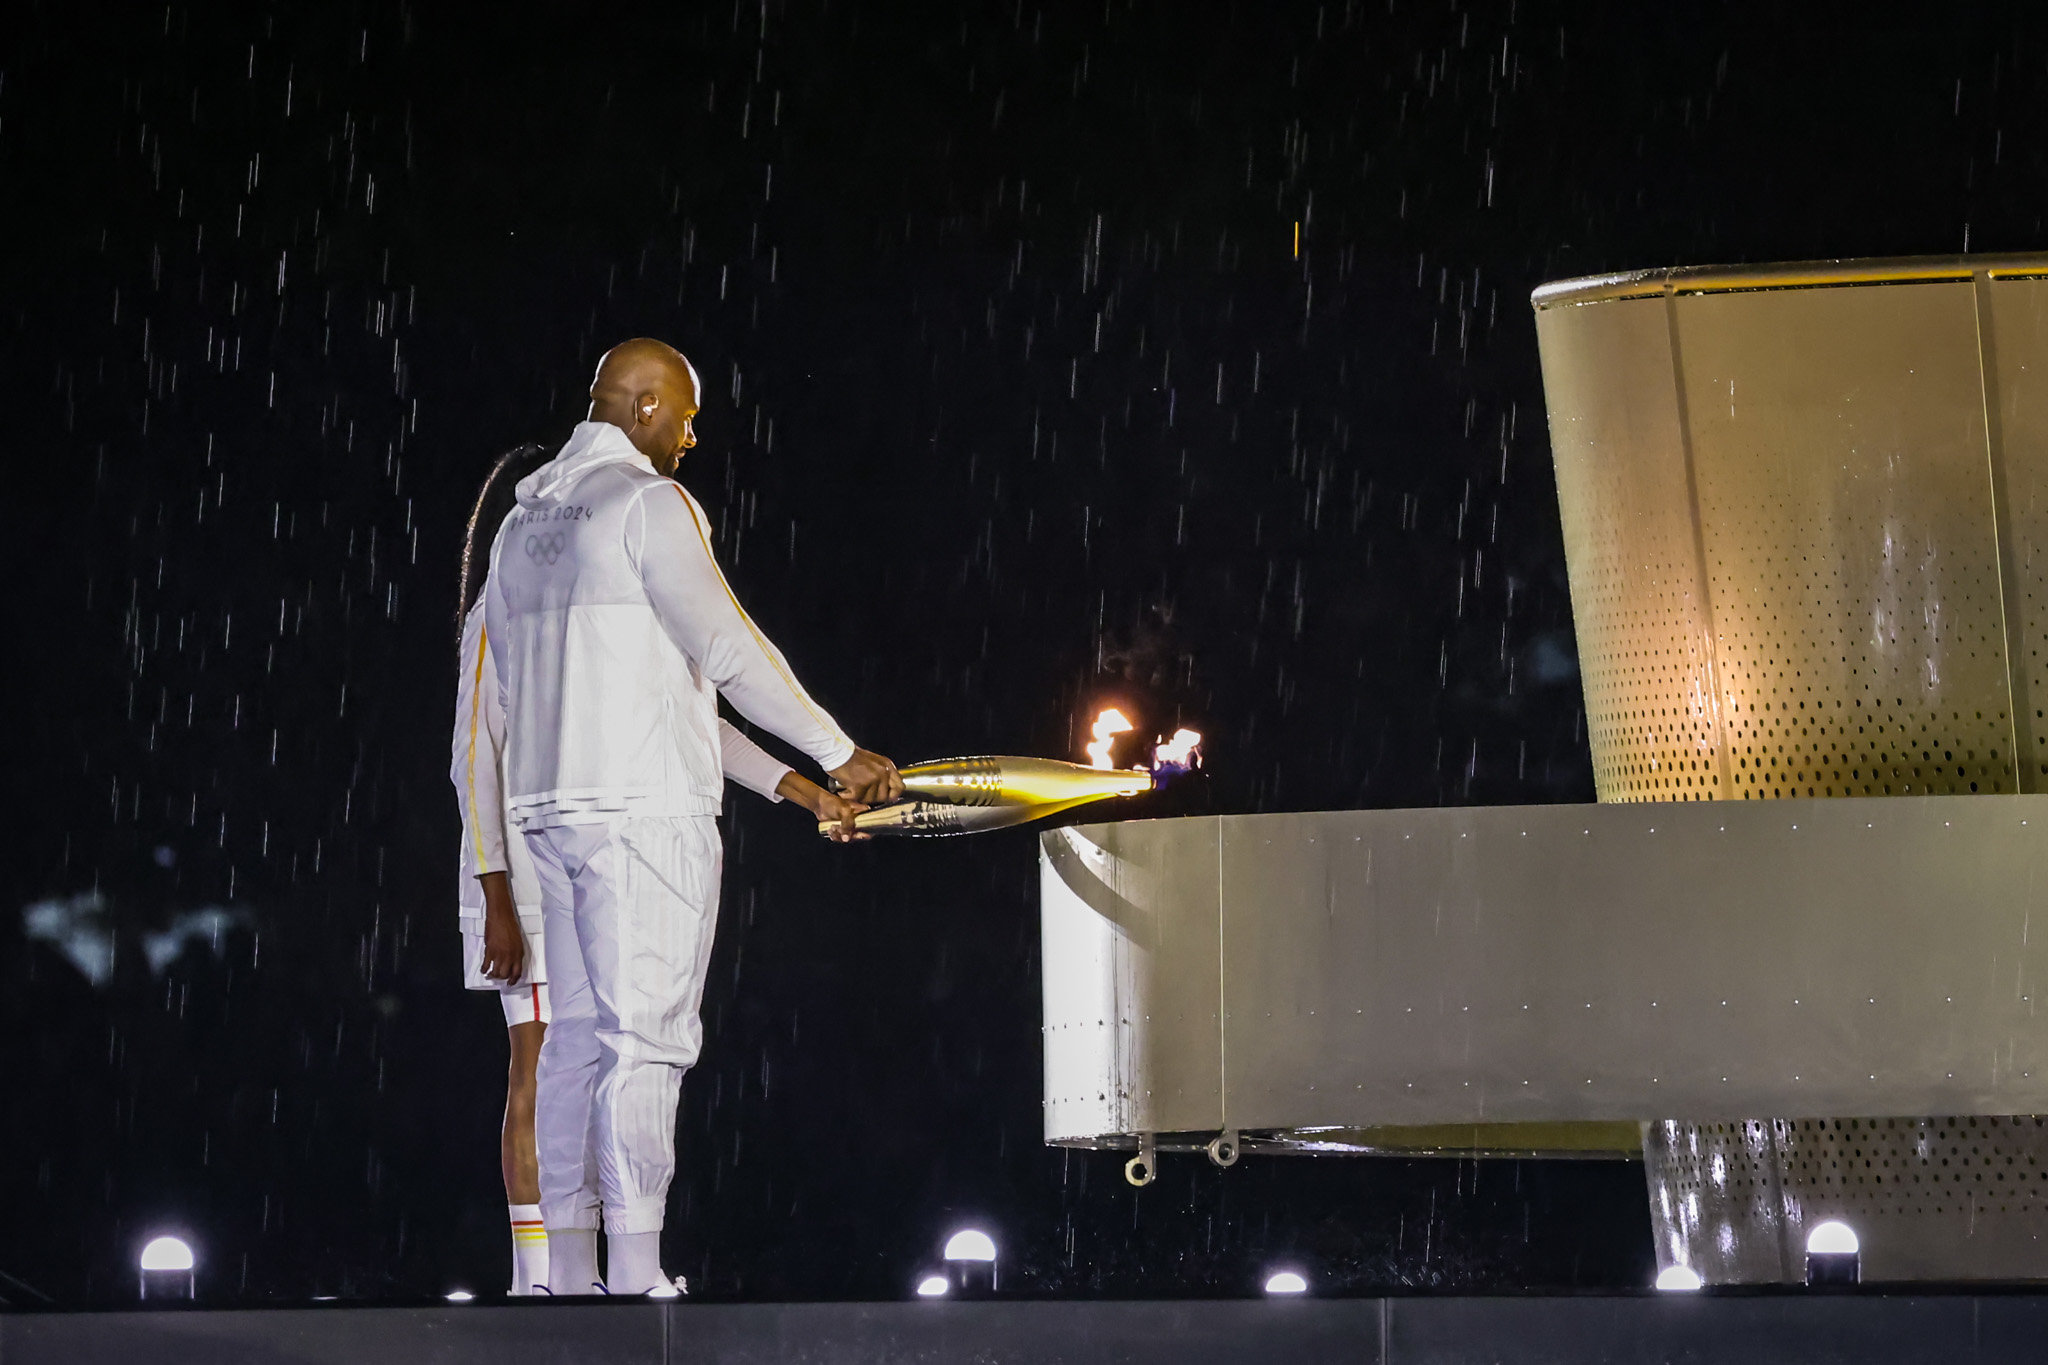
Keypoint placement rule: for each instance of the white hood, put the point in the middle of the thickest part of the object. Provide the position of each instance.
(592, 445)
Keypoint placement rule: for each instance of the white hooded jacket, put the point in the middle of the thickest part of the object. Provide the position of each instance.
(477, 767)
(613, 633)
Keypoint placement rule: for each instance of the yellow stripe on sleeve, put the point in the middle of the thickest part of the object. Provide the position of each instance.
(824, 721)
(476, 707)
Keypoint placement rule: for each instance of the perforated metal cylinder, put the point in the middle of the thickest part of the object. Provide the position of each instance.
(1806, 521)
(1949, 1198)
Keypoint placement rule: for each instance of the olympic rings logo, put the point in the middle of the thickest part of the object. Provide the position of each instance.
(546, 549)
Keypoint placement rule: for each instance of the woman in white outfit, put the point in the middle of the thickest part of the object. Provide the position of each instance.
(499, 896)
(499, 901)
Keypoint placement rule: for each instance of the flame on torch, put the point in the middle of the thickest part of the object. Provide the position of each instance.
(1108, 725)
(1179, 752)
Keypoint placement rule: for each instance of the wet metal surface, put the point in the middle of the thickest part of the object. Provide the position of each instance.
(1949, 1198)
(1543, 964)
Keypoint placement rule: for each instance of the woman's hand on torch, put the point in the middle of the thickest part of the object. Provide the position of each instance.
(869, 778)
(829, 807)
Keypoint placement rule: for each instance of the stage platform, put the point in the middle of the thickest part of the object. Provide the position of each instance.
(1868, 1327)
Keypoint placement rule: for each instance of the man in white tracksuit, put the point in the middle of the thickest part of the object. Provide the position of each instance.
(613, 635)
(499, 894)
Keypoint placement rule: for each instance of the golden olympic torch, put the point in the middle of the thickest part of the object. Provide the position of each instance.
(968, 795)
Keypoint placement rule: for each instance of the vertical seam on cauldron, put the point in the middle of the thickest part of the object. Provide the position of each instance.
(1726, 789)
(2011, 625)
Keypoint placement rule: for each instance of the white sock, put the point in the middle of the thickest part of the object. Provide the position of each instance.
(572, 1260)
(529, 1249)
(635, 1261)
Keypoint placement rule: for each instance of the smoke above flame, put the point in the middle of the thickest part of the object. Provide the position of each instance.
(1108, 726)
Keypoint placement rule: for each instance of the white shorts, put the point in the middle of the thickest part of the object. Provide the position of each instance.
(525, 1000)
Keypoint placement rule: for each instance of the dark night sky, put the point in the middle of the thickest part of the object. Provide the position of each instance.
(1020, 403)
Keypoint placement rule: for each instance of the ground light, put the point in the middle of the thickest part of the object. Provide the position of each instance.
(933, 1287)
(971, 1260)
(1833, 1255)
(166, 1269)
(1678, 1279)
(970, 1245)
(460, 1296)
(1286, 1282)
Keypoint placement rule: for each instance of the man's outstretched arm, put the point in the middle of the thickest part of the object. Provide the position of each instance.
(671, 543)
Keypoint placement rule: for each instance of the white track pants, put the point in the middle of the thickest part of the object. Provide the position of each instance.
(630, 907)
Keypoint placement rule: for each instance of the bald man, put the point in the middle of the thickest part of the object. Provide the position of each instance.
(613, 634)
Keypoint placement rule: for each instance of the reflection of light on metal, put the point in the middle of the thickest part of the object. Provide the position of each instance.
(1833, 1238)
(1286, 1282)
(937, 817)
(993, 780)
(932, 1287)
(966, 795)
(1678, 1279)
(460, 1296)
(1108, 725)
(166, 1253)
(970, 1245)
(969, 795)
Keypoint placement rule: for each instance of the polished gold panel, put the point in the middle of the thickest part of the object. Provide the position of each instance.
(1652, 709)
(1806, 521)
(1845, 504)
